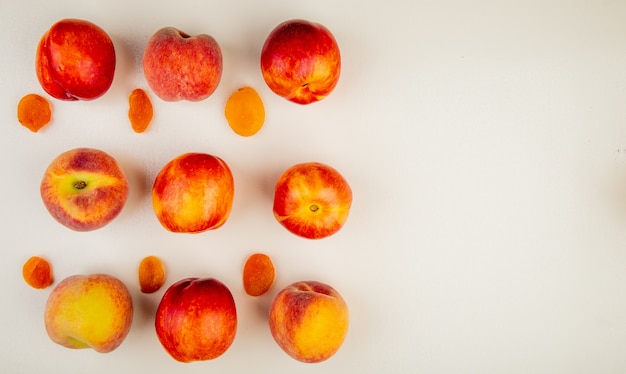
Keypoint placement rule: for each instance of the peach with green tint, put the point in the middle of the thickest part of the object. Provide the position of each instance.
(89, 311)
(84, 189)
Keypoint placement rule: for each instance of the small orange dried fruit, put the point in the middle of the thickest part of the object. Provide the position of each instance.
(37, 272)
(151, 274)
(34, 112)
(140, 111)
(245, 111)
(258, 274)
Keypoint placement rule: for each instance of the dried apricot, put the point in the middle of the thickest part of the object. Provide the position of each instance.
(34, 112)
(258, 274)
(140, 111)
(245, 111)
(151, 274)
(37, 272)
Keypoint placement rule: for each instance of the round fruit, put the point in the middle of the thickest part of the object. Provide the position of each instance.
(196, 319)
(193, 193)
(89, 311)
(178, 66)
(309, 321)
(84, 189)
(300, 61)
(312, 200)
(75, 60)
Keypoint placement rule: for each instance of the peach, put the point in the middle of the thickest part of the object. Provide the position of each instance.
(312, 200)
(196, 319)
(309, 321)
(193, 193)
(178, 66)
(300, 61)
(75, 60)
(89, 311)
(84, 189)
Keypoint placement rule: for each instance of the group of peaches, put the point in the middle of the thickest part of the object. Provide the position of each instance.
(85, 188)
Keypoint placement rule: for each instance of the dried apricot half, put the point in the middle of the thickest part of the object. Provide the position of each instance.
(37, 272)
(151, 274)
(140, 111)
(258, 274)
(34, 112)
(245, 111)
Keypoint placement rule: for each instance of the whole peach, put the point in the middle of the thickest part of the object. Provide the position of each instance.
(300, 61)
(196, 319)
(89, 311)
(178, 66)
(309, 321)
(75, 60)
(193, 193)
(312, 200)
(84, 189)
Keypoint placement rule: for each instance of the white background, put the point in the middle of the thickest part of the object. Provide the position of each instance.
(485, 143)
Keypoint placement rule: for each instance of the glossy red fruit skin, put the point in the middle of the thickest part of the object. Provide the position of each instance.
(196, 319)
(312, 200)
(301, 61)
(75, 60)
(193, 193)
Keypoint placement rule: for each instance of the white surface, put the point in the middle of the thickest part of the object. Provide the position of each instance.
(485, 145)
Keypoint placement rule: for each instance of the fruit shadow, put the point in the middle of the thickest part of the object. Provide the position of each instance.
(241, 60)
(254, 185)
(262, 306)
(145, 309)
(138, 180)
(129, 67)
